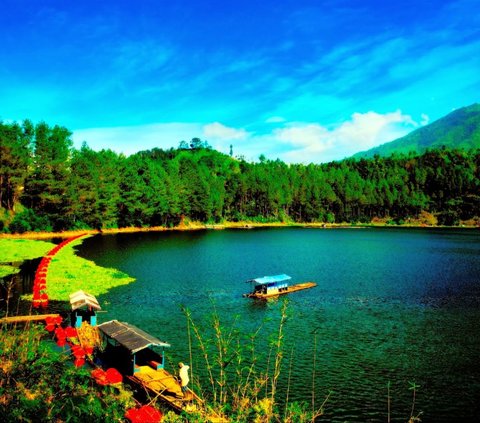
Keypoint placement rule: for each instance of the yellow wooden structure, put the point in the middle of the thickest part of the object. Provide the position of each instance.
(25, 319)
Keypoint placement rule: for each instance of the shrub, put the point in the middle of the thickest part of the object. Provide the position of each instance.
(40, 384)
(28, 221)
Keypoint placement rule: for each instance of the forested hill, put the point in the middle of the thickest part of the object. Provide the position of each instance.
(459, 129)
(46, 184)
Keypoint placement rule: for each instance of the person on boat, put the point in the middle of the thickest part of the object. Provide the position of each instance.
(184, 379)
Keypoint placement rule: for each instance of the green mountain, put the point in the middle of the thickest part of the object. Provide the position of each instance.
(459, 129)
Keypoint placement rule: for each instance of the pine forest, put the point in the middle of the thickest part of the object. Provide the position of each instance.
(48, 185)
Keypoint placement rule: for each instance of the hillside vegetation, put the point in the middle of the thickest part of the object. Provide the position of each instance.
(47, 185)
(458, 130)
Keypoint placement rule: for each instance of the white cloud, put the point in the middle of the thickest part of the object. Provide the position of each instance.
(220, 137)
(221, 132)
(307, 136)
(131, 139)
(425, 119)
(316, 143)
(370, 129)
(299, 142)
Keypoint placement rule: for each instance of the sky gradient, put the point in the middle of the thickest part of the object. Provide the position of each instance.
(302, 81)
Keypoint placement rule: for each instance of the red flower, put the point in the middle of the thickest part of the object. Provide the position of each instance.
(49, 320)
(70, 332)
(100, 377)
(150, 414)
(145, 414)
(78, 352)
(79, 362)
(114, 376)
(133, 416)
(60, 333)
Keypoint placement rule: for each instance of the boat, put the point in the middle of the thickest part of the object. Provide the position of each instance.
(273, 286)
(137, 355)
(131, 348)
(131, 351)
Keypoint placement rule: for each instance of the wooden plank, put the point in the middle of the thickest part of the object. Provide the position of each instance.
(25, 319)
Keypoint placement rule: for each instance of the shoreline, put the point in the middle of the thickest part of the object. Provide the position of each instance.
(193, 226)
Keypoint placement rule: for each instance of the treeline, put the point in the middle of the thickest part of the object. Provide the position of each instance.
(46, 184)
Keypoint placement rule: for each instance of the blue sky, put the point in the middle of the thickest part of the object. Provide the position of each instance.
(303, 81)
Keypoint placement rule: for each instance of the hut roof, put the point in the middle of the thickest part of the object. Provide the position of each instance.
(131, 337)
(270, 279)
(80, 298)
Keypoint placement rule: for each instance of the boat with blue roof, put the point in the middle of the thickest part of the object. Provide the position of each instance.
(272, 286)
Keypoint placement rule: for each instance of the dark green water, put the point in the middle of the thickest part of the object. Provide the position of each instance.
(391, 305)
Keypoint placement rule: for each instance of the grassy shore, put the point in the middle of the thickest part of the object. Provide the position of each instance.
(18, 250)
(191, 226)
(67, 272)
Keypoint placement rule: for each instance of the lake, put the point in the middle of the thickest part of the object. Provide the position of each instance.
(392, 307)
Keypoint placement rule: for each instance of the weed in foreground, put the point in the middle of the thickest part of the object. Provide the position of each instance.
(40, 384)
(237, 385)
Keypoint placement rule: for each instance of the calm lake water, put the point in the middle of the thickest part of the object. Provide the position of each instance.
(392, 306)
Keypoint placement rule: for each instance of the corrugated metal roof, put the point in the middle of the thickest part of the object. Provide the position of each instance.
(80, 298)
(270, 279)
(131, 337)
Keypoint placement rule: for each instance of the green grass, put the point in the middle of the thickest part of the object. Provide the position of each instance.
(12, 250)
(18, 250)
(6, 270)
(68, 273)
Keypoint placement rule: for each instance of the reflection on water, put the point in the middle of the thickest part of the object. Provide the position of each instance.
(391, 306)
(13, 286)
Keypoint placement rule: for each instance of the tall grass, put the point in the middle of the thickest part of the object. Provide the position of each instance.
(238, 383)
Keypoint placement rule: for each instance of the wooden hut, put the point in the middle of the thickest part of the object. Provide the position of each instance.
(129, 349)
(133, 346)
(84, 308)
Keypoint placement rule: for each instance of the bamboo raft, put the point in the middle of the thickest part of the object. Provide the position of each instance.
(273, 286)
(164, 386)
(288, 290)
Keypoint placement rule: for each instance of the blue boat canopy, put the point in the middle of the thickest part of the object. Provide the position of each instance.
(271, 279)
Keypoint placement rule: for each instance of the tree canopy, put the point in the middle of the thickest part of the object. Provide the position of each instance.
(46, 184)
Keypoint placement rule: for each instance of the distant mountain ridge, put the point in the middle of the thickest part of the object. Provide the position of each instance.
(459, 129)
